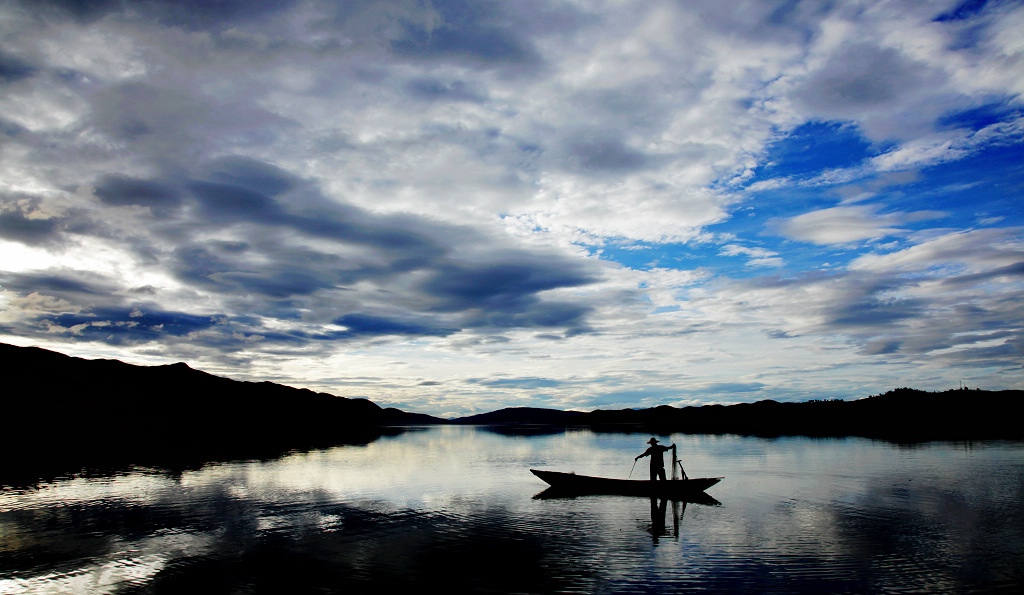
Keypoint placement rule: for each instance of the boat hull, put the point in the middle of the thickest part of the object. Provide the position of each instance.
(585, 484)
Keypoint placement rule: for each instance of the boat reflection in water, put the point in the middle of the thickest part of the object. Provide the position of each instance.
(556, 493)
(678, 492)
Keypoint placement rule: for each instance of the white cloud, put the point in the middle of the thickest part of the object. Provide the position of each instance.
(846, 224)
(968, 251)
(759, 257)
(947, 146)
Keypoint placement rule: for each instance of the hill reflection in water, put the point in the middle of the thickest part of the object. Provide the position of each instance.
(455, 508)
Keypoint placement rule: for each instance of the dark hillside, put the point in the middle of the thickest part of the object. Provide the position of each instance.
(69, 407)
(899, 415)
(520, 415)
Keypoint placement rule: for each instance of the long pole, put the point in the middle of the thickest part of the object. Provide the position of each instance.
(631, 469)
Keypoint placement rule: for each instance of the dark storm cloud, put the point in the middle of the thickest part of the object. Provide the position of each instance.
(250, 174)
(247, 191)
(503, 294)
(225, 203)
(84, 10)
(881, 347)
(118, 190)
(117, 326)
(432, 89)
(203, 14)
(189, 14)
(533, 313)
(469, 30)
(1012, 270)
(223, 267)
(17, 226)
(95, 308)
(872, 311)
(502, 283)
(366, 325)
(9, 128)
(176, 127)
(605, 155)
(286, 251)
(67, 285)
(13, 68)
(786, 21)
(964, 10)
(864, 78)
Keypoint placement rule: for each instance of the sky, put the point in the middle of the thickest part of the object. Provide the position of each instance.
(455, 206)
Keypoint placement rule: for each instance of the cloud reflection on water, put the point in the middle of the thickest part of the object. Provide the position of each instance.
(452, 507)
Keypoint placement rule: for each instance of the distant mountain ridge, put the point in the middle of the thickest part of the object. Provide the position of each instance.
(81, 389)
(68, 405)
(74, 411)
(520, 415)
(901, 415)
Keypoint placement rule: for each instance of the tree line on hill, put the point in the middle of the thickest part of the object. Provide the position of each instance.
(903, 414)
(73, 409)
(66, 411)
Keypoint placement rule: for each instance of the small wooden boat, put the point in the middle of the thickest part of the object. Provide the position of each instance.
(585, 484)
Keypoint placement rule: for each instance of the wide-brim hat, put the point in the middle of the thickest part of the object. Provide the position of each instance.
(652, 441)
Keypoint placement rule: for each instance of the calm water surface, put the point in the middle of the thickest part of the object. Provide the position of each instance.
(456, 508)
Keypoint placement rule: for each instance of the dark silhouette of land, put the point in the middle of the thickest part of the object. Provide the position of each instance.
(521, 416)
(900, 415)
(69, 413)
(64, 412)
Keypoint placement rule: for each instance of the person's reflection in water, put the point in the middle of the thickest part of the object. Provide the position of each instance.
(659, 512)
(657, 454)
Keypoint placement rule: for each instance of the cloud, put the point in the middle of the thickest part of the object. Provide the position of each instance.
(845, 224)
(114, 189)
(361, 324)
(470, 32)
(603, 155)
(28, 228)
(13, 68)
(434, 192)
(252, 231)
(192, 14)
(865, 82)
(432, 89)
(948, 146)
(759, 257)
(969, 251)
(521, 383)
(1006, 272)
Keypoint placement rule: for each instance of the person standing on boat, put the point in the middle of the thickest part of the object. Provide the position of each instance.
(657, 454)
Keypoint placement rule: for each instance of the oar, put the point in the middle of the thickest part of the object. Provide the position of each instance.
(631, 469)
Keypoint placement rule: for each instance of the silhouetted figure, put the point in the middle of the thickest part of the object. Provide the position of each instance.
(657, 454)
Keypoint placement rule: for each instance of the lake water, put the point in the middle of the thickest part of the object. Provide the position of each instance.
(456, 508)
